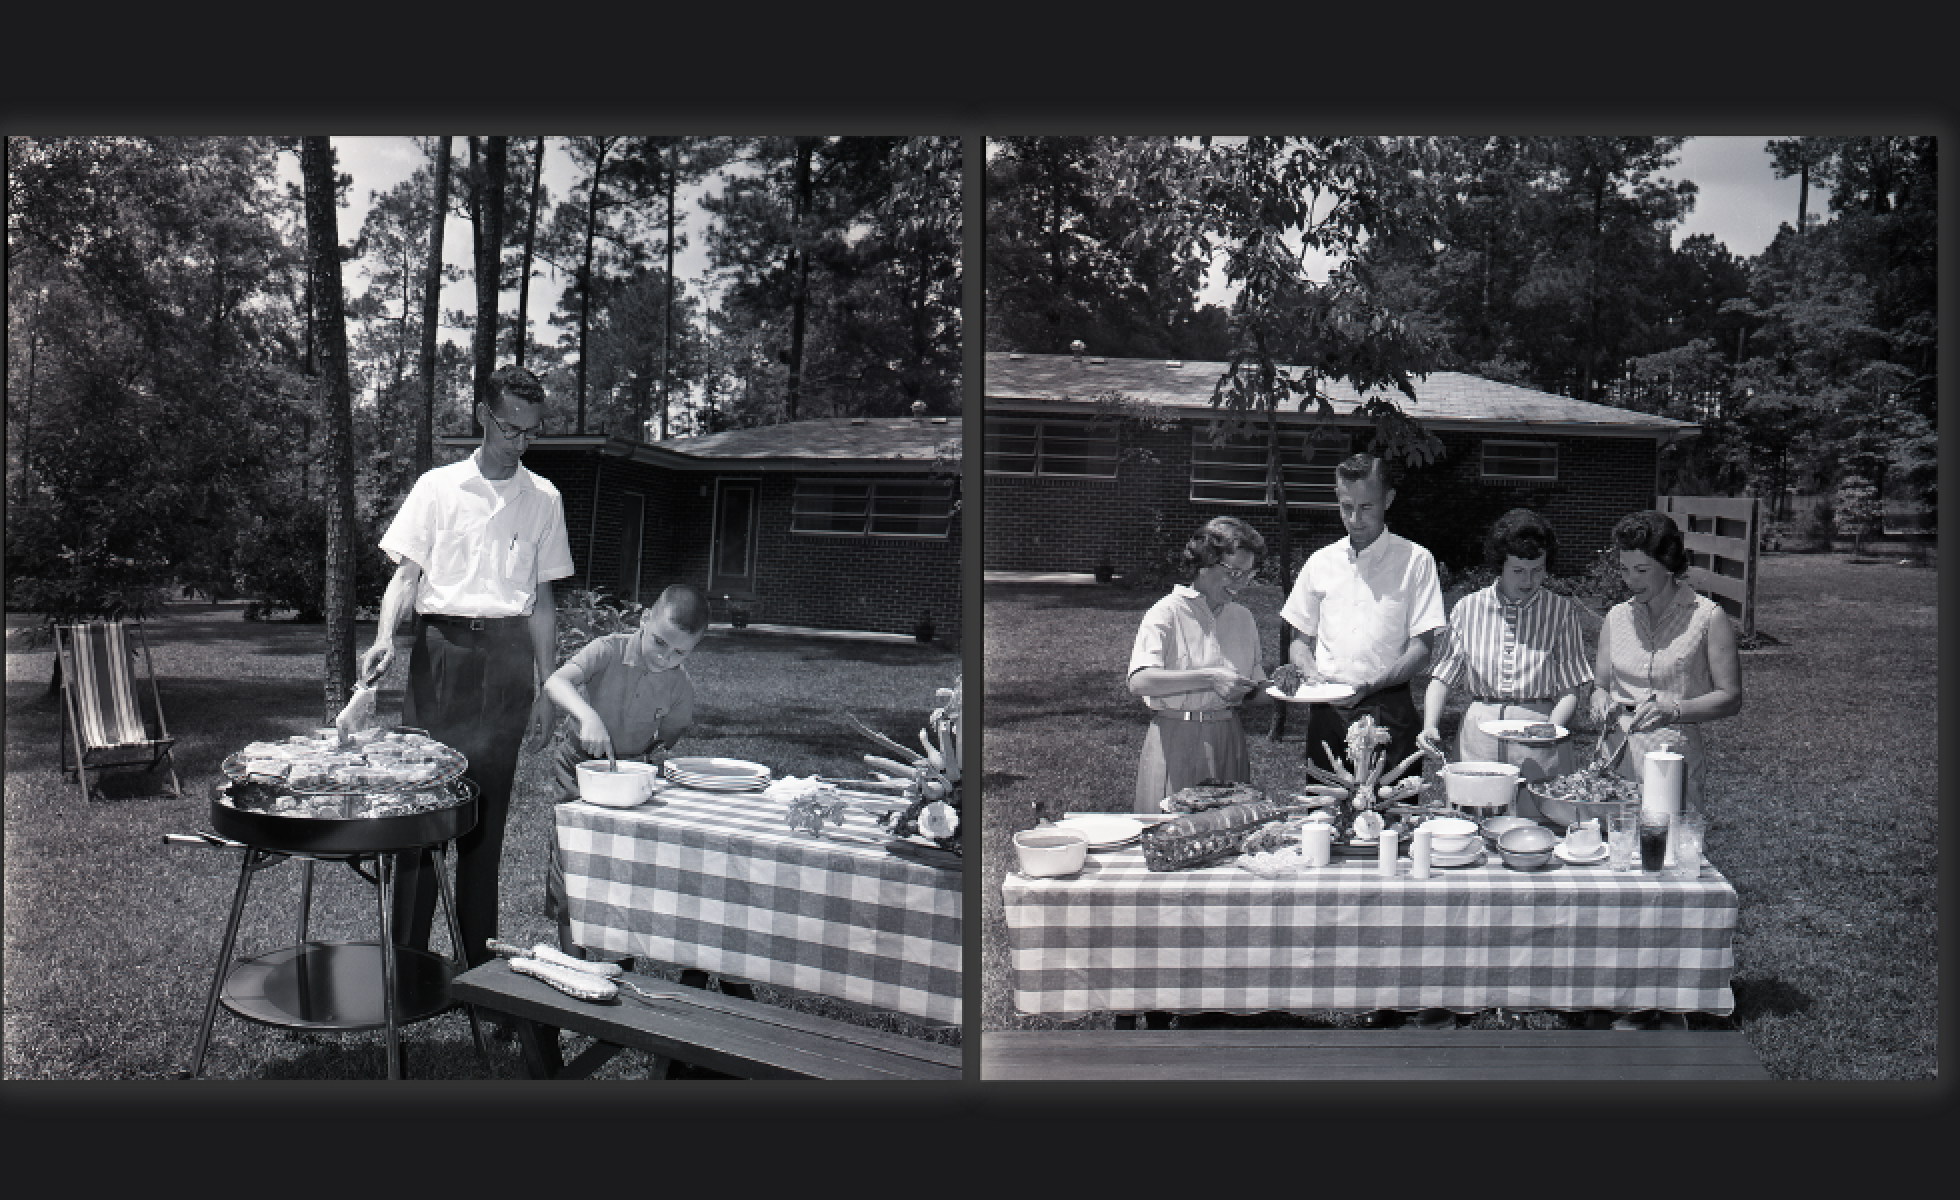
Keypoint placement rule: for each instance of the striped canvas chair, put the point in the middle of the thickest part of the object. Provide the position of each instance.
(99, 707)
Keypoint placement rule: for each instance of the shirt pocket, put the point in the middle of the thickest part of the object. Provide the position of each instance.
(449, 558)
(520, 562)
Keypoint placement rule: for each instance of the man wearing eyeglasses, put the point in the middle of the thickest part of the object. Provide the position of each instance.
(477, 544)
(1366, 609)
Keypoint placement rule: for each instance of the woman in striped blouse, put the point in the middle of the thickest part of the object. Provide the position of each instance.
(1517, 649)
(1667, 657)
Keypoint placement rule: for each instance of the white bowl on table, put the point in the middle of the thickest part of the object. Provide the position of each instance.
(1048, 851)
(623, 786)
(1449, 836)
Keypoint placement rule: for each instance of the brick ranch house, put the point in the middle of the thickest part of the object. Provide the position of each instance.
(835, 523)
(1062, 492)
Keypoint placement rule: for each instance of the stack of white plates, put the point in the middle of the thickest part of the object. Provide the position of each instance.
(1469, 858)
(1105, 831)
(718, 774)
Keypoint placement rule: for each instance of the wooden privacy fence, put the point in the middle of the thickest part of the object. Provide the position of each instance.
(1721, 536)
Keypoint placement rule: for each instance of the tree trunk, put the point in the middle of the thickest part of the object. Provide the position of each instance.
(425, 416)
(585, 271)
(489, 260)
(316, 165)
(800, 294)
(530, 243)
(667, 333)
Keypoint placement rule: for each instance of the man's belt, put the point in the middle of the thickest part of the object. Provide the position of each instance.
(467, 622)
(1514, 703)
(1196, 714)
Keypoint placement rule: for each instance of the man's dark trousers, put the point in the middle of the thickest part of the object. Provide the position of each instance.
(472, 689)
(1394, 709)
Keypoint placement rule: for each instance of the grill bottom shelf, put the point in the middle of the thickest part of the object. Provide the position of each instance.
(335, 987)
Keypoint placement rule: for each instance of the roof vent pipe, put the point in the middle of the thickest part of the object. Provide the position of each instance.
(919, 409)
(1076, 348)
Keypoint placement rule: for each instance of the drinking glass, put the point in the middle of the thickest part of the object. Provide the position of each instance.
(1653, 840)
(1623, 835)
(1686, 834)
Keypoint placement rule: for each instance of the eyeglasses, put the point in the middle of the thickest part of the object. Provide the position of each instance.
(1237, 574)
(512, 432)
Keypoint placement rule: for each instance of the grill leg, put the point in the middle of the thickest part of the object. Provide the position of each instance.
(305, 898)
(462, 959)
(384, 873)
(246, 865)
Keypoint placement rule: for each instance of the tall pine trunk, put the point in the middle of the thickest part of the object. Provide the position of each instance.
(425, 415)
(667, 333)
(800, 295)
(489, 259)
(530, 244)
(585, 270)
(316, 166)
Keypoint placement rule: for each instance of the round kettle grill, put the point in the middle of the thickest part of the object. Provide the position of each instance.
(317, 986)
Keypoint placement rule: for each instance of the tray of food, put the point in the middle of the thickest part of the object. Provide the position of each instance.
(369, 762)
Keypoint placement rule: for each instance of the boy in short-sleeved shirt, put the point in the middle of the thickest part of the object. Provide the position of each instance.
(627, 693)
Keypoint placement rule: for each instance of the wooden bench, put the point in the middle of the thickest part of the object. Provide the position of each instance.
(723, 1033)
(1355, 1054)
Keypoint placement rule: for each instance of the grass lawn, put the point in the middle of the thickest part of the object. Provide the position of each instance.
(1823, 796)
(112, 936)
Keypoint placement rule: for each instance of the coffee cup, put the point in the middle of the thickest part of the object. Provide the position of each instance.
(1046, 852)
(1582, 839)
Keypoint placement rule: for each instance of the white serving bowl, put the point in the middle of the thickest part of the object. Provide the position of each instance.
(629, 783)
(1451, 835)
(1046, 852)
(1481, 784)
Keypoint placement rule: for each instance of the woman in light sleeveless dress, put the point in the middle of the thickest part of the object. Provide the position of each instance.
(1667, 661)
(1196, 656)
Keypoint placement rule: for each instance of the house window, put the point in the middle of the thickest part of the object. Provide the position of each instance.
(1234, 472)
(1052, 449)
(1535, 461)
(872, 508)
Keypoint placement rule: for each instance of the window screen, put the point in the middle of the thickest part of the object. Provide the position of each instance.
(1234, 472)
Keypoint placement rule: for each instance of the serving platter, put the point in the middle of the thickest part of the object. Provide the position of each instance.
(1511, 731)
(1313, 693)
(1105, 831)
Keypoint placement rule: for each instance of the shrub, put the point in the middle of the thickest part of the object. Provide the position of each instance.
(585, 614)
(282, 562)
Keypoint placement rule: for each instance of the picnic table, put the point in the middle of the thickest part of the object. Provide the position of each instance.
(1120, 937)
(717, 882)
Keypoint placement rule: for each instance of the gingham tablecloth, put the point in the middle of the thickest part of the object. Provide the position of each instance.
(1120, 937)
(716, 880)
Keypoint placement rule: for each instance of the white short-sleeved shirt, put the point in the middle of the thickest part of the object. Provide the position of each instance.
(483, 545)
(1181, 633)
(1363, 610)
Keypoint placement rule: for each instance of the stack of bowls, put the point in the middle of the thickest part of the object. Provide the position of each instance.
(1526, 848)
(1495, 827)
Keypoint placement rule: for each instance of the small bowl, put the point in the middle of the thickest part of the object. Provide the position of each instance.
(1046, 853)
(1524, 860)
(629, 784)
(1451, 835)
(1495, 827)
(1526, 839)
(1481, 784)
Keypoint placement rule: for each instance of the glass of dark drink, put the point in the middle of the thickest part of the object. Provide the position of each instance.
(1653, 841)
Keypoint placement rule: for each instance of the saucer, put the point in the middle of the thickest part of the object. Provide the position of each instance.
(1468, 858)
(1565, 855)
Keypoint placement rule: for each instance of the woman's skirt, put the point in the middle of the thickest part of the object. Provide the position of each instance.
(1533, 762)
(1178, 754)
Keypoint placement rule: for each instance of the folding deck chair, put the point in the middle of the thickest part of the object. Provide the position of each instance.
(100, 708)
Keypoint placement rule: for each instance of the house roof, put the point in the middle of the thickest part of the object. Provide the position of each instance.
(818, 444)
(1449, 399)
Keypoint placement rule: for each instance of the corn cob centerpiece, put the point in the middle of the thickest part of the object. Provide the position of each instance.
(932, 779)
(1363, 793)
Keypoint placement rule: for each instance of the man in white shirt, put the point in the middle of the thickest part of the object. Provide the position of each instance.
(1366, 609)
(477, 544)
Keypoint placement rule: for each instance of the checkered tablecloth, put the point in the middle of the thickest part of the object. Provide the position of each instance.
(1120, 937)
(718, 881)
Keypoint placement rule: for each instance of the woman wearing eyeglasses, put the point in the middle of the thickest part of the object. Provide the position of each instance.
(1195, 658)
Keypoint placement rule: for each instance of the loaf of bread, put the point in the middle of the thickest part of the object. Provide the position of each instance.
(1199, 838)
